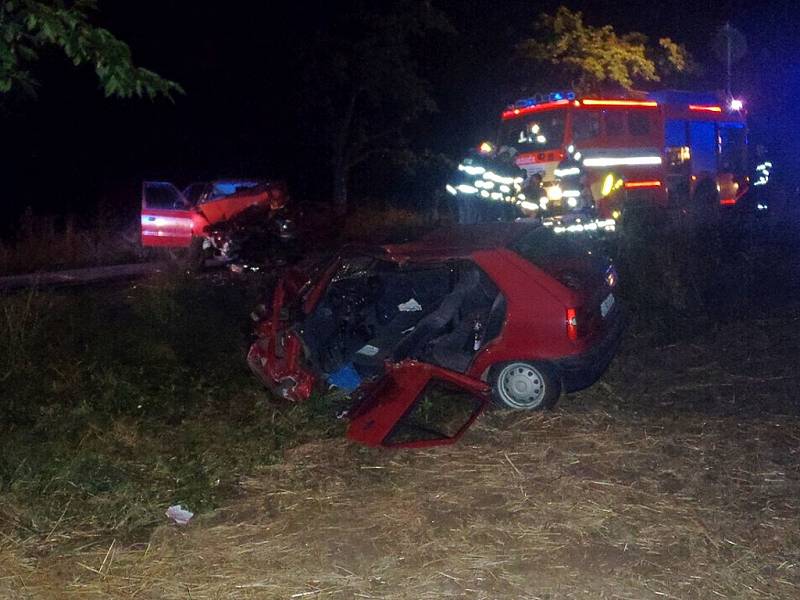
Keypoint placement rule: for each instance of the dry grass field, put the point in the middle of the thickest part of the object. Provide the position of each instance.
(679, 480)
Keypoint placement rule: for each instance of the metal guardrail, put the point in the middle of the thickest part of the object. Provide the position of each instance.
(86, 276)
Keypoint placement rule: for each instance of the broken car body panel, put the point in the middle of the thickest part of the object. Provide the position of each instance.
(276, 356)
(394, 322)
(171, 218)
(385, 416)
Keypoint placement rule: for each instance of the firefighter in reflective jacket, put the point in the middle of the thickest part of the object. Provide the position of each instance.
(488, 185)
(571, 177)
(569, 193)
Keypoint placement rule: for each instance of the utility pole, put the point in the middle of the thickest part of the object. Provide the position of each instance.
(728, 56)
(729, 46)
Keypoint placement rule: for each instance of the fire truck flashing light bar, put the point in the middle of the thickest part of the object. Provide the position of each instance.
(515, 112)
(539, 103)
(542, 99)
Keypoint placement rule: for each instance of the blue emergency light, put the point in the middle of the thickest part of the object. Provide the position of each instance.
(542, 98)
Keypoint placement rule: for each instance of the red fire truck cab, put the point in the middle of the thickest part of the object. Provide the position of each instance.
(670, 148)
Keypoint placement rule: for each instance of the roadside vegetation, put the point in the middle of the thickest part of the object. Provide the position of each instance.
(119, 402)
(49, 243)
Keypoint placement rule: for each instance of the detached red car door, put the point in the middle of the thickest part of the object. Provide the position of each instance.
(416, 405)
(168, 219)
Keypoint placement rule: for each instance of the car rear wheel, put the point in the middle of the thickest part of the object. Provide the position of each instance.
(525, 386)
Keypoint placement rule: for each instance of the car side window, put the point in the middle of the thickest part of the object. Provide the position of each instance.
(194, 192)
(162, 196)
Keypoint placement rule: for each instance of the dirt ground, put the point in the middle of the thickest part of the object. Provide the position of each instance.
(676, 481)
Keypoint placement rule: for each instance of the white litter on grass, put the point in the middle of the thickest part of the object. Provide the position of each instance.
(410, 305)
(179, 514)
(368, 350)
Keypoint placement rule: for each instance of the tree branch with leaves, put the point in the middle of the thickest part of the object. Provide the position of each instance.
(29, 26)
(589, 58)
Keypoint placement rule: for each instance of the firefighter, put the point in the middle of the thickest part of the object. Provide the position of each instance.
(502, 204)
(570, 194)
(609, 189)
(487, 185)
(571, 178)
(466, 194)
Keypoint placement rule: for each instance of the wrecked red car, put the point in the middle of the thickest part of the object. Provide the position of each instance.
(426, 334)
(173, 219)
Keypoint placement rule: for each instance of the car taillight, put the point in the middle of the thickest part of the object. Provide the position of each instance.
(572, 323)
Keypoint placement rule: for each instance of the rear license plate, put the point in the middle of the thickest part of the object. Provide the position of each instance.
(607, 305)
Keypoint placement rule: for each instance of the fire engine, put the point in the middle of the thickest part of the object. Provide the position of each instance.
(669, 148)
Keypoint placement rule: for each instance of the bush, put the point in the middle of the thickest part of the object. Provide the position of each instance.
(51, 243)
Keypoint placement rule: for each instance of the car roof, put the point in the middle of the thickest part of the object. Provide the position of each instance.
(460, 241)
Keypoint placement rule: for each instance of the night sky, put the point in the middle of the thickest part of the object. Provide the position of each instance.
(71, 149)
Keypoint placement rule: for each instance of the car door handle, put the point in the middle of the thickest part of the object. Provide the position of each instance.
(151, 218)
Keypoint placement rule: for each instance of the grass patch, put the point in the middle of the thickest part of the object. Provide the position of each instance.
(118, 402)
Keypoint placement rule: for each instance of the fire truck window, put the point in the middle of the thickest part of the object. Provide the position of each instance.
(639, 123)
(535, 132)
(615, 123)
(703, 141)
(675, 133)
(733, 147)
(585, 125)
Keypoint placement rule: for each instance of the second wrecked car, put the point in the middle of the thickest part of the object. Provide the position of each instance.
(426, 334)
(223, 215)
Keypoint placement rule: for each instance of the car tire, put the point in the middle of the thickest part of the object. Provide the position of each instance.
(523, 385)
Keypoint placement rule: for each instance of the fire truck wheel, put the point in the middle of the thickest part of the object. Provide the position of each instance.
(525, 386)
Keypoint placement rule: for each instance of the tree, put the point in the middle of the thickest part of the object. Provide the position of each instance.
(588, 58)
(362, 84)
(29, 26)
